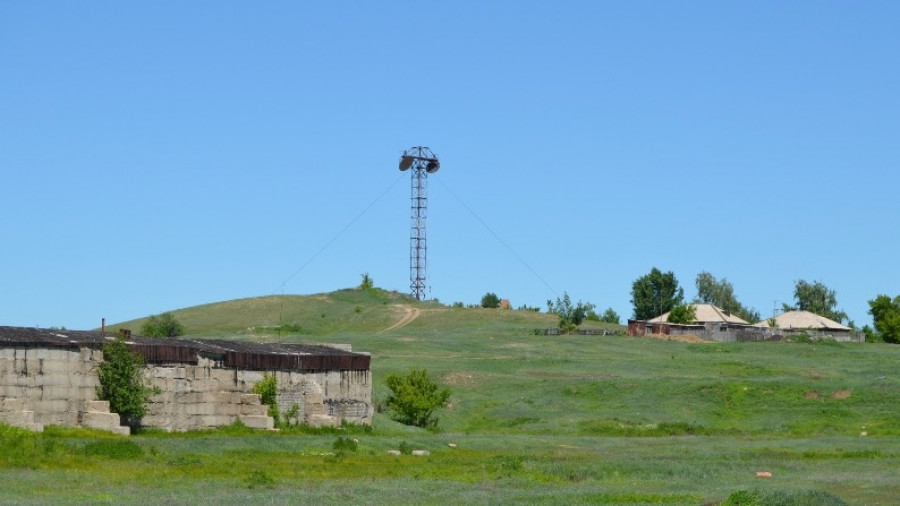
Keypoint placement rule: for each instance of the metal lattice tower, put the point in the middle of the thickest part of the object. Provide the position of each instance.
(422, 162)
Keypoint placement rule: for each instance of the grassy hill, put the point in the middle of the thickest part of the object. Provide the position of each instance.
(344, 312)
(275, 316)
(506, 379)
(537, 419)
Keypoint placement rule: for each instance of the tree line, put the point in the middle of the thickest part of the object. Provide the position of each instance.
(658, 292)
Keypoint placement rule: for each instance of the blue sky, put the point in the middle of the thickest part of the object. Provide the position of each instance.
(161, 155)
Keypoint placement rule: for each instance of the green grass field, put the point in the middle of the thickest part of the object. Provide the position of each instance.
(534, 419)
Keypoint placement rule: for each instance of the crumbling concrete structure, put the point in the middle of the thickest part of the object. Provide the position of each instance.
(50, 377)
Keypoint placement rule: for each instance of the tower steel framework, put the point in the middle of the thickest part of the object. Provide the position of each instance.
(421, 162)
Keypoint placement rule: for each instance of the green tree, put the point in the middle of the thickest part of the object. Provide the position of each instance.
(886, 318)
(570, 316)
(610, 316)
(683, 313)
(490, 300)
(816, 298)
(654, 294)
(721, 294)
(163, 325)
(122, 382)
(414, 398)
(367, 283)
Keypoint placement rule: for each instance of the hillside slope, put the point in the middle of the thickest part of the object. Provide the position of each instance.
(274, 316)
(350, 312)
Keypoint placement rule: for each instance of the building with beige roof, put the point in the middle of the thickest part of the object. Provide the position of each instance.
(706, 313)
(715, 324)
(804, 320)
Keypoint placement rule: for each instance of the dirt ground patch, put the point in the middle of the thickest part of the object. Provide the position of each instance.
(842, 394)
(460, 378)
(686, 338)
(409, 314)
(548, 374)
(518, 345)
(812, 395)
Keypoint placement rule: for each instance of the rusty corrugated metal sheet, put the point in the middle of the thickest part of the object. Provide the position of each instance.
(237, 354)
(330, 362)
(166, 353)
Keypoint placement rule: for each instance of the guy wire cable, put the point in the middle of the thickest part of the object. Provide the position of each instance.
(338, 235)
(489, 229)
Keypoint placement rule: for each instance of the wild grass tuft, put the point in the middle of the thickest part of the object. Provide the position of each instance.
(783, 498)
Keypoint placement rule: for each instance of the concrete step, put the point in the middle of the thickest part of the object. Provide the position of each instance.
(258, 421)
(104, 421)
(100, 406)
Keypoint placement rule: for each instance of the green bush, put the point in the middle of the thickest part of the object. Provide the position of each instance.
(342, 445)
(164, 325)
(570, 315)
(258, 479)
(490, 300)
(122, 384)
(683, 313)
(610, 316)
(267, 388)
(414, 398)
(783, 498)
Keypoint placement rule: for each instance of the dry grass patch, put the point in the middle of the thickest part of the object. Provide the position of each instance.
(686, 338)
(460, 378)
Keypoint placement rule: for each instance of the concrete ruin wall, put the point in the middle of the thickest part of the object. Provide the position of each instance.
(207, 395)
(40, 386)
(44, 386)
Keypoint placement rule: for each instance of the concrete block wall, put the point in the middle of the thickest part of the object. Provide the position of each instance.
(207, 395)
(47, 386)
(323, 398)
(202, 396)
(41, 386)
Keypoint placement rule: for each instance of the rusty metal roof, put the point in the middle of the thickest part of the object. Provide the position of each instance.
(236, 354)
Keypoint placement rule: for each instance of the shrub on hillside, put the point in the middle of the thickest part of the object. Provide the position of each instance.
(570, 315)
(414, 398)
(610, 316)
(163, 325)
(783, 498)
(490, 300)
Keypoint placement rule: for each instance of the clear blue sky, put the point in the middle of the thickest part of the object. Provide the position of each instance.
(159, 155)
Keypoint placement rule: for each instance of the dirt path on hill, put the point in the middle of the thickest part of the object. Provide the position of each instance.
(410, 314)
